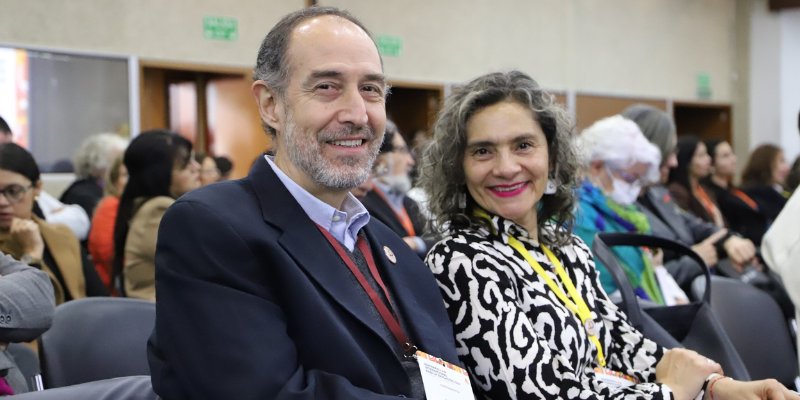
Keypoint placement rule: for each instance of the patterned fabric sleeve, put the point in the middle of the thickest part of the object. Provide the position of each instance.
(629, 352)
(505, 356)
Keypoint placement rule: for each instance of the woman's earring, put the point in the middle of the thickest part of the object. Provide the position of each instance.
(551, 187)
(462, 201)
(35, 198)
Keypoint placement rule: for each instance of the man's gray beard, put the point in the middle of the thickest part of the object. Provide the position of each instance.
(399, 183)
(306, 154)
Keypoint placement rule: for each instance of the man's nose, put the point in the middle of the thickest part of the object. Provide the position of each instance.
(353, 108)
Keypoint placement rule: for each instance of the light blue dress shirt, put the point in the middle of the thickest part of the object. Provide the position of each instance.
(342, 225)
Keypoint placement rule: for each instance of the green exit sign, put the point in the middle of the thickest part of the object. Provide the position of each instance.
(704, 85)
(391, 46)
(220, 28)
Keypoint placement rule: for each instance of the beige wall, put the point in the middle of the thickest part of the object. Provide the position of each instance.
(156, 29)
(652, 48)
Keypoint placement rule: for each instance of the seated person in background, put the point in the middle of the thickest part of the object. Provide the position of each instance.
(161, 167)
(30, 239)
(48, 207)
(668, 220)
(91, 161)
(763, 177)
(56, 212)
(684, 185)
(739, 210)
(614, 178)
(499, 146)
(209, 173)
(26, 311)
(388, 202)
(225, 166)
(101, 237)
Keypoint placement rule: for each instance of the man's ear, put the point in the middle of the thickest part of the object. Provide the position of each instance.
(269, 105)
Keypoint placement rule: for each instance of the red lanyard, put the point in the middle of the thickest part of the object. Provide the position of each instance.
(402, 215)
(390, 318)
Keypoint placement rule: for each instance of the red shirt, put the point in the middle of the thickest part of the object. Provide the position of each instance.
(101, 238)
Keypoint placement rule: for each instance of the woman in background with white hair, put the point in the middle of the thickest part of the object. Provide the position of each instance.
(91, 162)
(618, 160)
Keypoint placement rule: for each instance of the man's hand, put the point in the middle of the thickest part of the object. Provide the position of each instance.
(740, 251)
(706, 249)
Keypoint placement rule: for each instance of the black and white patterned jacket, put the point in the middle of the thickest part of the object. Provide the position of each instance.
(516, 338)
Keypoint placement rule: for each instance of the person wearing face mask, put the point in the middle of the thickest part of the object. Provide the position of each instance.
(388, 201)
(669, 220)
(740, 211)
(614, 178)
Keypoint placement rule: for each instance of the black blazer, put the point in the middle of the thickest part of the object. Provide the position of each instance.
(741, 218)
(769, 201)
(253, 303)
(378, 208)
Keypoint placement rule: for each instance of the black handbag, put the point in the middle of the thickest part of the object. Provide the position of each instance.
(693, 326)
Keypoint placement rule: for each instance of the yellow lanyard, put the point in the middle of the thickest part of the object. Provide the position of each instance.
(578, 308)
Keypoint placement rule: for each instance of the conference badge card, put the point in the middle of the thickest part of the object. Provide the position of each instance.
(442, 380)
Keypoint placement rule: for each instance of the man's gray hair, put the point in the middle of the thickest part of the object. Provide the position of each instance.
(272, 65)
(442, 174)
(96, 154)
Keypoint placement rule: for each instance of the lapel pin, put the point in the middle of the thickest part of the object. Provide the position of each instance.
(390, 254)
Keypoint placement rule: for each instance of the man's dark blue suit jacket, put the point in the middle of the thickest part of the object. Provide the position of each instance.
(253, 303)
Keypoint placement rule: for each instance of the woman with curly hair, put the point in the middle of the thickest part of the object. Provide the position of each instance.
(530, 317)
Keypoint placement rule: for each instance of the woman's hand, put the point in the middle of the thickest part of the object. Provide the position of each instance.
(685, 372)
(26, 232)
(740, 251)
(728, 389)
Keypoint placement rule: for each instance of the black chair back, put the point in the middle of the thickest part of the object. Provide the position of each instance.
(756, 326)
(693, 325)
(96, 338)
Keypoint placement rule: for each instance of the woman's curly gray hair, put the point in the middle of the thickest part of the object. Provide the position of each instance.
(441, 167)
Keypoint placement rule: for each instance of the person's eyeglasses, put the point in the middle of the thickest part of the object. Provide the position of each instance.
(14, 193)
(630, 178)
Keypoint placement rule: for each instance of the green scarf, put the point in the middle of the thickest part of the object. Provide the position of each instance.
(639, 220)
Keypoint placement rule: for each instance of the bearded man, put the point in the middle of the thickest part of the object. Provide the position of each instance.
(279, 285)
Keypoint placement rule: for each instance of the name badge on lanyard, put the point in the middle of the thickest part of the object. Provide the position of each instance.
(442, 380)
(613, 379)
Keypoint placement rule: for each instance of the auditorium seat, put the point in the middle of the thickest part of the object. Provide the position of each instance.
(127, 388)
(27, 361)
(96, 338)
(756, 326)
